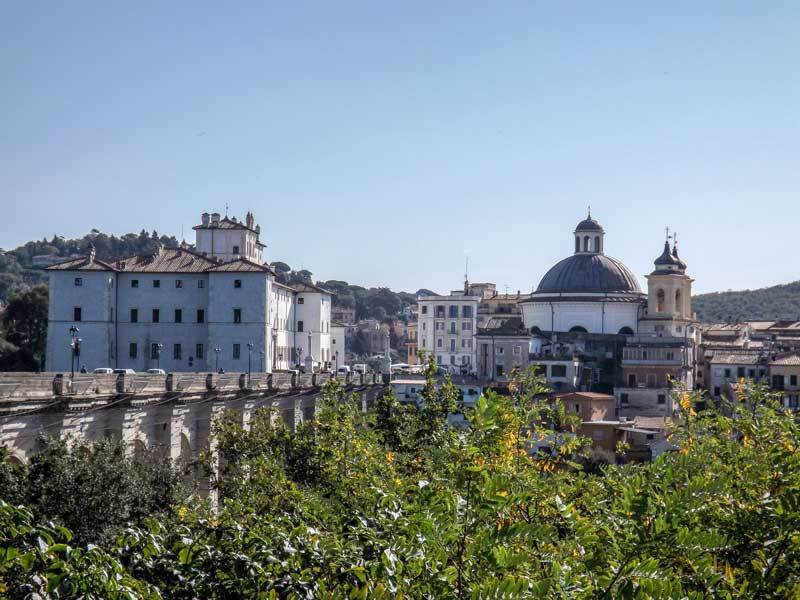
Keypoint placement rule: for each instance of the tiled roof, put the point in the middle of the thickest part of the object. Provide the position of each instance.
(308, 287)
(736, 359)
(84, 263)
(241, 265)
(225, 223)
(166, 260)
(787, 361)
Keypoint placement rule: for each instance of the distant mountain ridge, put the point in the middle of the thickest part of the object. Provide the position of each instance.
(775, 303)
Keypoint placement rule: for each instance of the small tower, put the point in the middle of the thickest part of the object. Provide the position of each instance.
(589, 236)
(669, 293)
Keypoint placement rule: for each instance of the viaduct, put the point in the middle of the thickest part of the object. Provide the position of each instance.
(171, 414)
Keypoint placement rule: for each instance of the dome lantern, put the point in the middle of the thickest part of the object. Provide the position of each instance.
(589, 236)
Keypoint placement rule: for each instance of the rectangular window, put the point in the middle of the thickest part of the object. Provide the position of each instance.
(452, 345)
(179, 283)
(133, 350)
(440, 312)
(499, 370)
(424, 328)
(156, 315)
(631, 380)
(439, 343)
(134, 283)
(236, 250)
(558, 370)
(727, 373)
(178, 315)
(662, 399)
(740, 372)
(156, 283)
(466, 312)
(237, 351)
(201, 315)
(424, 309)
(793, 380)
(499, 350)
(452, 327)
(301, 300)
(299, 326)
(453, 311)
(517, 350)
(623, 398)
(237, 315)
(76, 313)
(155, 351)
(79, 281)
(134, 315)
(237, 283)
(198, 351)
(176, 351)
(201, 284)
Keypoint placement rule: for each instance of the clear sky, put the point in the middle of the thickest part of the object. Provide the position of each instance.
(379, 142)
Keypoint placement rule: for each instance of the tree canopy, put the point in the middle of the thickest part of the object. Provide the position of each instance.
(398, 502)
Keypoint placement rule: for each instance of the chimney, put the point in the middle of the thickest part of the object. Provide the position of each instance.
(215, 219)
(92, 253)
(204, 219)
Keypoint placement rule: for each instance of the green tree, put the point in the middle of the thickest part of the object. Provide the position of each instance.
(25, 323)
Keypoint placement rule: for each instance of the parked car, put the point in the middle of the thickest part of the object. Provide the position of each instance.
(124, 371)
(156, 371)
(343, 370)
(103, 371)
(360, 368)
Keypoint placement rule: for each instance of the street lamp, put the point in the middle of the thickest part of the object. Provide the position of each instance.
(311, 356)
(336, 358)
(249, 353)
(263, 356)
(158, 348)
(217, 350)
(75, 349)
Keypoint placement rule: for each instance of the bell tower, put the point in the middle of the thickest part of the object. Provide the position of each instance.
(669, 294)
(589, 236)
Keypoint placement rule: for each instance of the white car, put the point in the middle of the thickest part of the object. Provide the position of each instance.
(156, 371)
(103, 371)
(124, 371)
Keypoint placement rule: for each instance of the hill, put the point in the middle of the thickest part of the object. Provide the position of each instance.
(770, 303)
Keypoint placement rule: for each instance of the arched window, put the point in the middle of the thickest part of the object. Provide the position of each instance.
(577, 243)
(586, 243)
(678, 299)
(578, 329)
(626, 331)
(597, 243)
(535, 330)
(660, 301)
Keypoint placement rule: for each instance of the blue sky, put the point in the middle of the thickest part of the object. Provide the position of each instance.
(379, 142)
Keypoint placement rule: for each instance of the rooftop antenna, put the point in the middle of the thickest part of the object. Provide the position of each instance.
(589, 211)
(667, 230)
(226, 209)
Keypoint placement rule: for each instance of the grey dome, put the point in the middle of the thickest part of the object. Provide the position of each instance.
(589, 224)
(588, 273)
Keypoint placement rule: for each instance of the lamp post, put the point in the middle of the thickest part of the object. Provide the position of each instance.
(336, 358)
(217, 350)
(263, 357)
(249, 353)
(311, 356)
(158, 348)
(75, 349)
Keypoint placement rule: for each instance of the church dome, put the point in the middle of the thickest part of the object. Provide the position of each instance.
(588, 273)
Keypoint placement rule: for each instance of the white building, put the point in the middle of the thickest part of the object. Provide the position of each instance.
(447, 326)
(180, 309)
